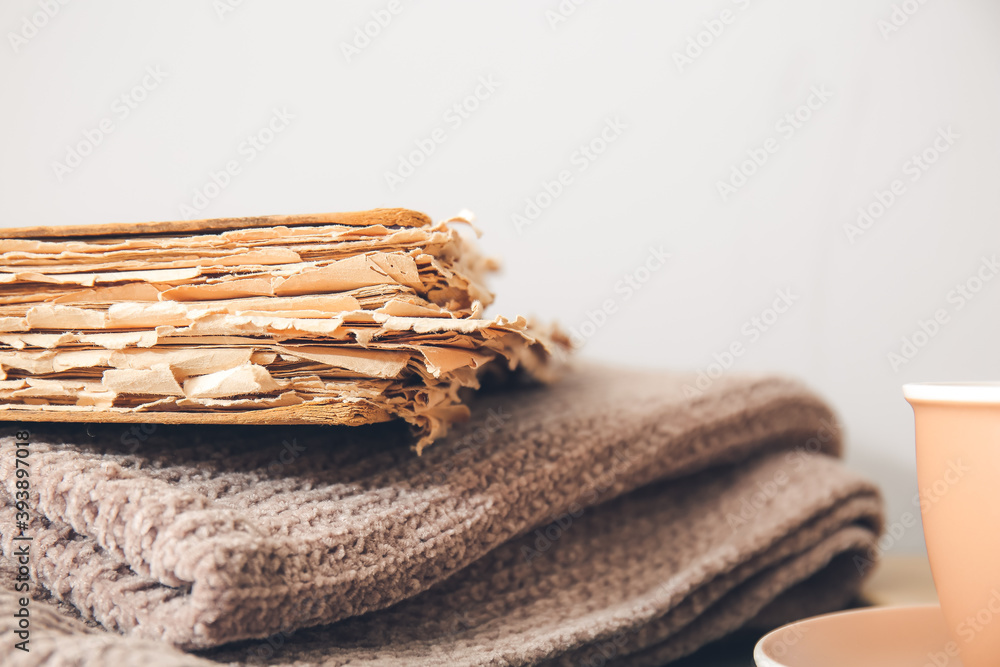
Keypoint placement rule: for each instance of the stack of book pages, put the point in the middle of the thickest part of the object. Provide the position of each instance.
(343, 318)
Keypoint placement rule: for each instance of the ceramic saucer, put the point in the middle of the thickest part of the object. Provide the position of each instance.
(912, 636)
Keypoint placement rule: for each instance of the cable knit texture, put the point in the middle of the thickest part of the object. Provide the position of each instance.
(613, 517)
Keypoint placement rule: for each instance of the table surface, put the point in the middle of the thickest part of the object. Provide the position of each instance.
(898, 580)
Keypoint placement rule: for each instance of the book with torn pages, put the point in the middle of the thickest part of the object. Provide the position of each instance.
(341, 318)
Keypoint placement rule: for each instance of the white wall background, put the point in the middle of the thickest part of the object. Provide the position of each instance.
(656, 184)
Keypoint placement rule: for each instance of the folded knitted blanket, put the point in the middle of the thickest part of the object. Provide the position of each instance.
(615, 517)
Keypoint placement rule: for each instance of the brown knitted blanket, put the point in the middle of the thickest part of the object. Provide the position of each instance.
(608, 518)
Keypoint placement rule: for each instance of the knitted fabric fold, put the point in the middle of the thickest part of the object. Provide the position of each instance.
(613, 517)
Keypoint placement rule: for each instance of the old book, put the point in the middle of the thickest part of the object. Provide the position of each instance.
(342, 318)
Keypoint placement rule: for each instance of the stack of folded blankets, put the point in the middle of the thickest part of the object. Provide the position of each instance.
(605, 516)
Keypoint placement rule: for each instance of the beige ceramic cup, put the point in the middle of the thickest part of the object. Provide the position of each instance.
(958, 470)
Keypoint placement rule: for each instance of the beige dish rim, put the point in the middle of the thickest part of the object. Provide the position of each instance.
(762, 659)
(952, 392)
